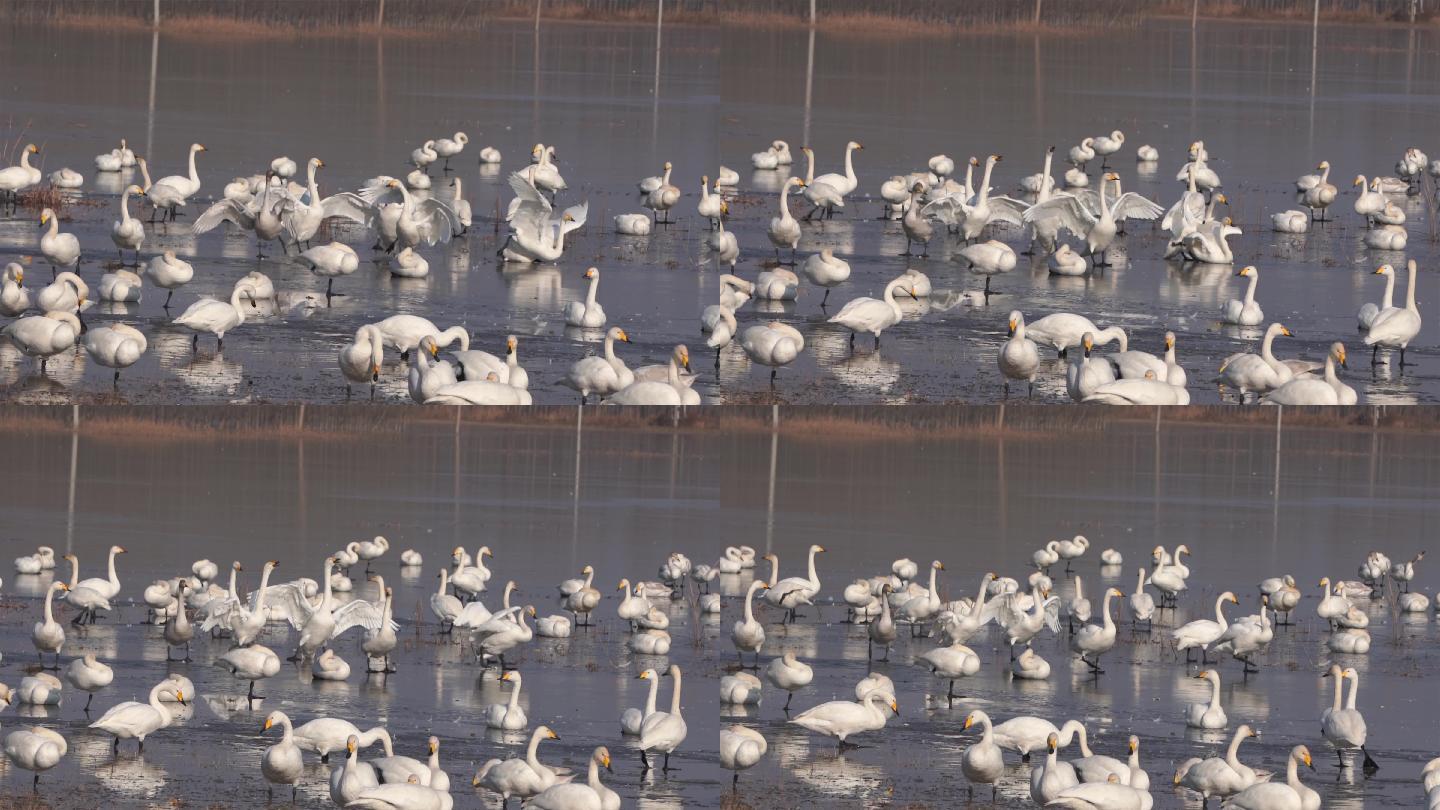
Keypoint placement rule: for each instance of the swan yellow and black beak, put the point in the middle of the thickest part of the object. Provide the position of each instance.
(267, 724)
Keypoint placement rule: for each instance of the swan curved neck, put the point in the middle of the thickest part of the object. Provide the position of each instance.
(1354, 689)
(590, 293)
(194, 175)
(49, 610)
(654, 693)
(1105, 609)
(1410, 288)
(1215, 691)
(114, 580)
(1220, 611)
(785, 202)
(985, 181)
(1231, 754)
(813, 578)
(1254, 279)
(850, 165)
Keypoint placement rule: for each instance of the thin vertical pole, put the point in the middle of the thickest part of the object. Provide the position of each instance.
(809, 82)
(655, 91)
(155, 15)
(154, 65)
(774, 454)
(74, 468)
(1037, 12)
(812, 12)
(575, 508)
(379, 14)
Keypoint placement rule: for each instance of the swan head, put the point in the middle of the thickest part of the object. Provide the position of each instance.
(993, 159)
(1169, 340)
(317, 163)
(815, 549)
(1324, 164)
(1359, 180)
(1384, 270)
(971, 719)
(32, 149)
(1134, 743)
(1302, 755)
(592, 273)
(1229, 597)
(1247, 271)
(1052, 742)
(198, 147)
(393, 183)
(620, 335)
(46, 216)
(937, 565)
(1016, 319)
(602, 757)
(1088, 342)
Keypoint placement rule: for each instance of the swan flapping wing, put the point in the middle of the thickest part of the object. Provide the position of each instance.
(1133, 206)
(217, 612)
(1008, 209)
(1189, 208)
(359, 613)
(348, 205)
(437, 220)
(577, 215)
(286, 602)
(377, 191)
(1066, 211)
(1052, 614)
(224, 211)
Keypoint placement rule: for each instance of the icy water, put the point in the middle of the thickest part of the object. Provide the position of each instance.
(592, 91)
(549, 501)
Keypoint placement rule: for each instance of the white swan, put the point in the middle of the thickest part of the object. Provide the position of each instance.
(59, 249)
(952, 663)
(1098, 229)
(1257, 373)
(823, 196)
(982, 762)
(16, 179)
(450, 147)
(48, 635)
(169, 273)
(784, 230)
(792, 592)
(1395, 327)
(989, 259)
(489, 155)
(520, 777)
(773, 344)
(1306, 390)
(35, 749)
(843, 718)
(509, 715)
(1092, 640)
(1291, 221)
(603, 375)
(592, 795)
(748, 634)
(1201, 633)
(872, 315)
(134, 720)
(116, 346)
(14, 298)
(1344, 727)
(740, 748)
(587, 313)
(1245, 311)
(1207, 715)
(1083, 376)
(1370, 201)
(282, 763)
(1066, 262)
(740, 689)
(787, 673)
(405, 332)
(1018, 358)
(664, 731)
(187, 184)
(824, 269)
(1290, 795)
(1209, 244)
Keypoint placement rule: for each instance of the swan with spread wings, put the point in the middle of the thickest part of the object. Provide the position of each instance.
(402, 221)
(536, 234)
(1097, 229)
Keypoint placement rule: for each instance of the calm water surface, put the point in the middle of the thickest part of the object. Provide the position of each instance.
(627, 498)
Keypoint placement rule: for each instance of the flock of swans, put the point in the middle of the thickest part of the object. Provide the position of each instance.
(1075, 223)
(194, 606)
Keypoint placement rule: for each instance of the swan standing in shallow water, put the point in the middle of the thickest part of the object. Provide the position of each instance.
(664, 731)
(508, 716)
(773, 344)
(602, 375)
(1344, 727)
(210, 316)
(1292, 794)
(1245, 312)
(1308, 390)
(871, 315)
(1201, 633)
(116, 346)
(740, 748)
(521, 777)
(134, 720)
(1257, 373)
(48, 635)
(1093, 641)
(784, 230)
(587, 313)
(282, 763)
(1019, 359)
(1207, 715)
(982, 763)
(792, 592)
(748, 634)
(36, 749)
(1395, 327)
(843, 718)
(128, 233)
(824, 269)
(788, 673)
